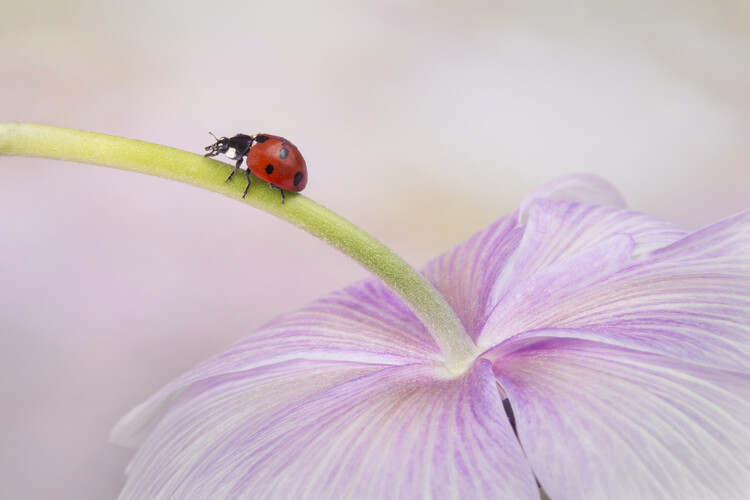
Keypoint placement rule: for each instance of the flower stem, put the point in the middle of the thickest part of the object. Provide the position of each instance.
(25, 139)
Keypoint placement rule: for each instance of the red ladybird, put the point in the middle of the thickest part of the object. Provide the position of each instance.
(269, 157)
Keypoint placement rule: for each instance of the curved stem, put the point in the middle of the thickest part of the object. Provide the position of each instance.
(24, 139)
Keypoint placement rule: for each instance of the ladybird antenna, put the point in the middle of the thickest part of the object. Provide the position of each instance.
(213, 148)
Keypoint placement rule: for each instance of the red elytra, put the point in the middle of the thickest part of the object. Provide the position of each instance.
(278, 162)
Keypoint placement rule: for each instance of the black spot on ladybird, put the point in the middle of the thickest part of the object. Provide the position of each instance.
(298, 178)
(269, 169)
(261, 138)
(283, 153)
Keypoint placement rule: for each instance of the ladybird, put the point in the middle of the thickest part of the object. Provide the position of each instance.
(269, 157)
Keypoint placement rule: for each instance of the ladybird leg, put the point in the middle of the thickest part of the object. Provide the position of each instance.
(236, 168)
(247, 176)
(230, 175)
(280, 191)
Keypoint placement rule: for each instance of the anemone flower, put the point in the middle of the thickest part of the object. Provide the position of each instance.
(609, 360)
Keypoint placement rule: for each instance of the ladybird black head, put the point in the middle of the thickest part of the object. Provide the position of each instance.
(219, 147)
(235, 147)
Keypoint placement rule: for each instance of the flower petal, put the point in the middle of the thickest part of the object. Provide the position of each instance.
(476, 274)
(551, 295)
(465, 275)
(556, 230)
(690, 300)
(363, 323)
(578, 188)
(554, 222)
(599, 421)
(201, 416)
(278, 432)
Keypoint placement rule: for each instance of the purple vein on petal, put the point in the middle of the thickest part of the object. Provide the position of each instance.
(396, 432)
(203, 416)
(554, 222)
(690, 300)
(556, 230)
(577, 188)
(364, 323)
(549, 296)
(629, 424)
(465, 274)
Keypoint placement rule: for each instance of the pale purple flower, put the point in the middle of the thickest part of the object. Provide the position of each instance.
(621, 343)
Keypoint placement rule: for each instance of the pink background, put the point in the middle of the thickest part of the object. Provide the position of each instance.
(420, 121)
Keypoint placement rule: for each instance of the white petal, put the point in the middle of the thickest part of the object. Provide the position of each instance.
(554, 294)
(364, 323)
(465, 275)
(690, 300)
(577, 188)
(278, 432)
(598, 421)
(556, 230)
(477, 274)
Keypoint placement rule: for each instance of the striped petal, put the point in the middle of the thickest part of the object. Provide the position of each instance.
(577, 188)
(557, 230)
(690, 300)
(307, 429)
(466, 274)
(364, 323)
(548, 296)
(598, 421)
(556, 222)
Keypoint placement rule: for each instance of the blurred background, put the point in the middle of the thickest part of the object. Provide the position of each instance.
(421, 121)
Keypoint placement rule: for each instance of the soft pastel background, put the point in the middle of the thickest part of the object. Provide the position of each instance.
(421, 121)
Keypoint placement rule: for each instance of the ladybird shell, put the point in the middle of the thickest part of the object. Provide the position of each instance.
(278, 162)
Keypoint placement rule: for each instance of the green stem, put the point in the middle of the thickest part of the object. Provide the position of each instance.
(24, 139)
